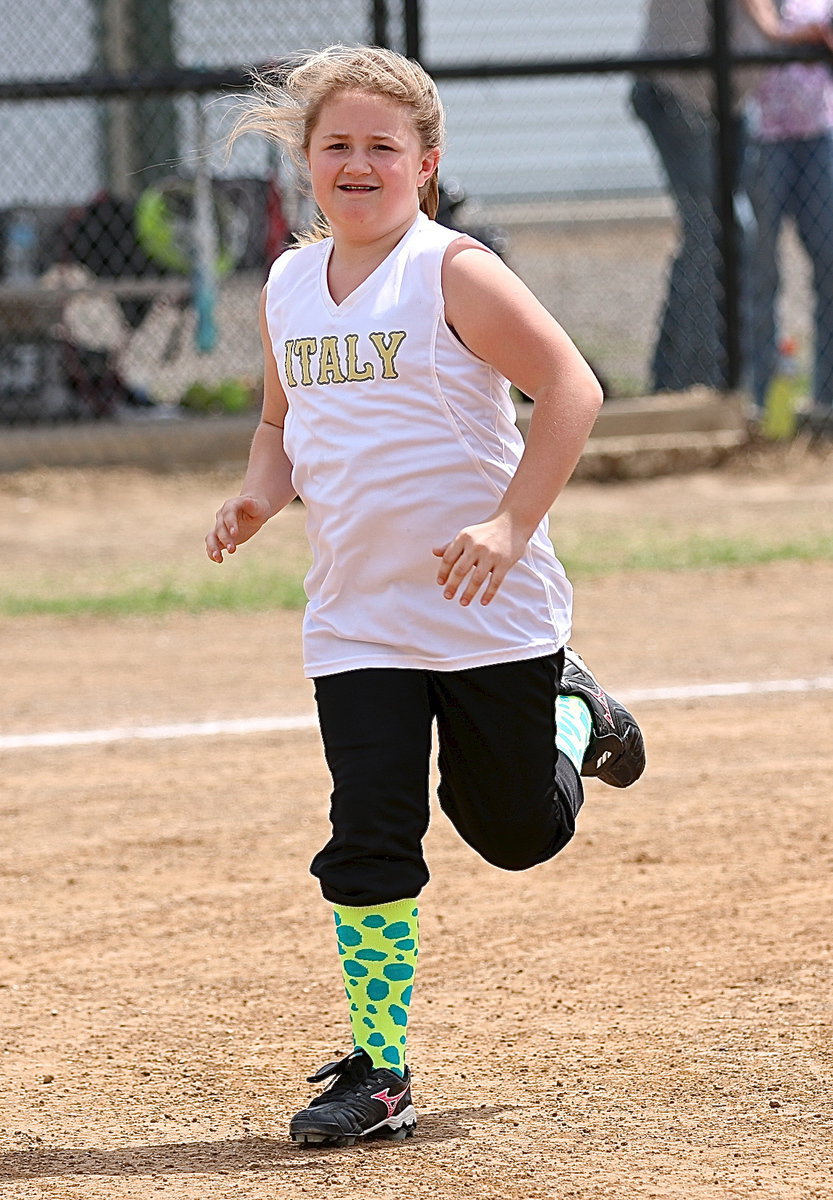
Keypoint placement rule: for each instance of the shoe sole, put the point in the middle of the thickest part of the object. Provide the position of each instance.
(628, 766)
(618, 758)
(406, 1124)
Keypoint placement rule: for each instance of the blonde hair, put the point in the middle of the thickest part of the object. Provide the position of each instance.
(286, 106)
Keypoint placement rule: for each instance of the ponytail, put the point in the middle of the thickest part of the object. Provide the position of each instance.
(429, 196)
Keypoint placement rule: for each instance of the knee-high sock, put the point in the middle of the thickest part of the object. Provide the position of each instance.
(378, 947)
(573, 728)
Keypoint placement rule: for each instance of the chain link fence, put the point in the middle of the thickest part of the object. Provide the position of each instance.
(583, 145)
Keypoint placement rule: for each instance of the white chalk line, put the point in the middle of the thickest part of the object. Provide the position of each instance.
(156, 733)
(153, 733)
(709, 691)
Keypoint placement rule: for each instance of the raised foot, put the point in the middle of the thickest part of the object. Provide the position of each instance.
(616, 753)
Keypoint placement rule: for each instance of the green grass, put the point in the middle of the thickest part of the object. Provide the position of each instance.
(252, 592)
(694, 552)
(261, 588)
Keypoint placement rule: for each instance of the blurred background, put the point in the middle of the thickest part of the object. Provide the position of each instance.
(134, 248)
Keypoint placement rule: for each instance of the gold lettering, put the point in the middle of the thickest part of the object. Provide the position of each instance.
(354, 373)
(287, 362)
(388, 351)
(329, 367)
(305, 348)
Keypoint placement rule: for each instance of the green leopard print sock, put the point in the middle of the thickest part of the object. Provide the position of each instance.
(378, 947)
(573, 728)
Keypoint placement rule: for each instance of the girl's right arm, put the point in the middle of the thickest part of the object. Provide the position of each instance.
(267, 486)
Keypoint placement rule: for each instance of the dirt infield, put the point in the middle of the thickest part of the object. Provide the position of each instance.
(647, 1016)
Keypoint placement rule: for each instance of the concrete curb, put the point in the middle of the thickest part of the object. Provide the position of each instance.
(631, 439)
(157, 444)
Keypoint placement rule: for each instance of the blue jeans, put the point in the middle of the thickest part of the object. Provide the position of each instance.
(690, 346)
(792, 178)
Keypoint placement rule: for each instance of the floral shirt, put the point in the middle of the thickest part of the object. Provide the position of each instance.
(796, 101)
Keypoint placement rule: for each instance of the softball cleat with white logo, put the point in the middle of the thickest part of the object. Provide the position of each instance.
(616, 752)
(360, 1101)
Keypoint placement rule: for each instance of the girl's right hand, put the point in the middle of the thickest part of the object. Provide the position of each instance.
(237, 521)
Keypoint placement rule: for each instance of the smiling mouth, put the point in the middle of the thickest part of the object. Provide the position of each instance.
(357, 187)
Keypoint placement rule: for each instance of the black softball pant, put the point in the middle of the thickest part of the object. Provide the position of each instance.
(503, 784)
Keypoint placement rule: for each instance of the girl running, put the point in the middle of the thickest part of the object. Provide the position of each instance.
(434, 592)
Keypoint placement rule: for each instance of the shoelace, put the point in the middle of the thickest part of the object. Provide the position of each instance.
(349, 1074)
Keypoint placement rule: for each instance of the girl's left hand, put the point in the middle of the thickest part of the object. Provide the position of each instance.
(477, 553)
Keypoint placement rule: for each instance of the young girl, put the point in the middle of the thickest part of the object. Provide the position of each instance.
(434, 592)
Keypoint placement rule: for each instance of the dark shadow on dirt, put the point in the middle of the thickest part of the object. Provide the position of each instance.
(238, 1154)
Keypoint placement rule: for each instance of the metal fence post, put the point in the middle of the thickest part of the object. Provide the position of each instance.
(413, 29)
(140, 131)
(380, 35)
(727, 152)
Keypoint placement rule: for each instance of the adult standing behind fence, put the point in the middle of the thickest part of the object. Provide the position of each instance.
(791, 174)
(676, 107)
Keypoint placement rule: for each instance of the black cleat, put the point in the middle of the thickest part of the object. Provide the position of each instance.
(616, 753)
(361, 1101)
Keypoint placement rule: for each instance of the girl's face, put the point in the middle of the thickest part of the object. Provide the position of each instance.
(366, 163)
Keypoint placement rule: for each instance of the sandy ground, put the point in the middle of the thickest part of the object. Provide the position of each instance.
(647, 1016)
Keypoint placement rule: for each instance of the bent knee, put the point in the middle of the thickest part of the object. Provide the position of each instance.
(515, 861)
(518, 849)
(520, 856)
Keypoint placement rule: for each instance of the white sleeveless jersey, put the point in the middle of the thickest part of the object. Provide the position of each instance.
(399, 437)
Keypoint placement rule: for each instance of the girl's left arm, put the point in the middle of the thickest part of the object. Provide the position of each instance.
(767, 16)
(496, 317)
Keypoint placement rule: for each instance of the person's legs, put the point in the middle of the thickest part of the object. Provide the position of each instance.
(770, 179)
(504, 784)
(376, 728)
(514, 740)
(812, 208)
(688, 349)
(510, 783)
